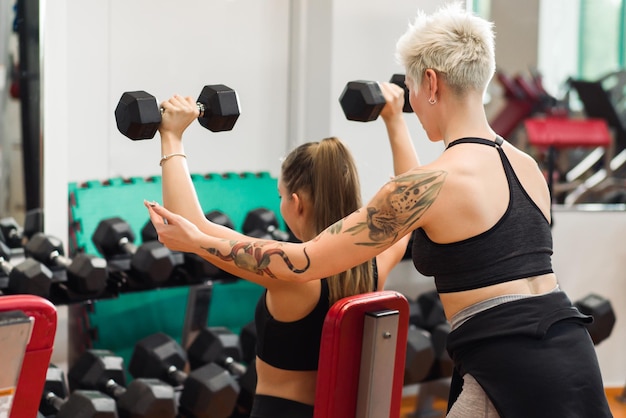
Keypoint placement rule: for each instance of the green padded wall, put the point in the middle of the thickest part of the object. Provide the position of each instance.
(120, 322)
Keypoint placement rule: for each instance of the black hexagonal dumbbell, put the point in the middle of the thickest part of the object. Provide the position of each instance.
(27, 277)
(263, 223)
(420, 355)
(427, 314)
(363, 100)
(15, 236)
(56, 402)
(399, 79)
(603, 315)
(138, 115)
(207, 392)
(151, 263)
(102, 370)
(247, 341)
(86, 274)
(55, 383)
(196, 267)
(222, 346)
(216, 345)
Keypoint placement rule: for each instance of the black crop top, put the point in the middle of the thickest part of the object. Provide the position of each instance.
(519, 245)
(294, 345)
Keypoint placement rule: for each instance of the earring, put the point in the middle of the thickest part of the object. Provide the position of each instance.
(432, 101)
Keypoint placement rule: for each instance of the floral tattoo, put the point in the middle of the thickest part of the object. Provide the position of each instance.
(252, 257)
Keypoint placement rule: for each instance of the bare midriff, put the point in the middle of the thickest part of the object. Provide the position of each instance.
(536, 285)
(289, 384)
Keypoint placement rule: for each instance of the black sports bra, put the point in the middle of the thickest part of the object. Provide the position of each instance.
(519, 245)
(294, 345)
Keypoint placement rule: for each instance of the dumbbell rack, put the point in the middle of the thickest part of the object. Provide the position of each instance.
(105, 323)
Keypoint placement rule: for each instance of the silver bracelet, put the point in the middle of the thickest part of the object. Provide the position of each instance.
(167, 157)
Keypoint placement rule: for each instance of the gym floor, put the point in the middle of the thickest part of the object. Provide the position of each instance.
(408, 405)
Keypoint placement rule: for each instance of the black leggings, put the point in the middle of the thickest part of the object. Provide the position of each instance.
(265, 406)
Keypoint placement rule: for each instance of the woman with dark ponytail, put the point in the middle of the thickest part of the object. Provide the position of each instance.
(318, 186)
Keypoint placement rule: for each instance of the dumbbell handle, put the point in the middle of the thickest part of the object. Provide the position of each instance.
(14, 233)
(54, 400)
(201, 109)
(234, 367)
(5, 266)
(59, 260)
(176, 375)
(114, 389)
(127, 246)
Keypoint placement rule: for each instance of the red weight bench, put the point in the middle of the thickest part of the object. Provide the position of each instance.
(38, 351)
(362, 356)
(560, 132)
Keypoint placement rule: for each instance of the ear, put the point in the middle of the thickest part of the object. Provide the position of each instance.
(430, 76)
(298, 203)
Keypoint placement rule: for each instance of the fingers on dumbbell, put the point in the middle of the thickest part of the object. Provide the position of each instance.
(363, 100)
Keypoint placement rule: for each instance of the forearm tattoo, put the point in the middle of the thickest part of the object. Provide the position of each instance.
(389, 217)
(252, 257)
(393, 215)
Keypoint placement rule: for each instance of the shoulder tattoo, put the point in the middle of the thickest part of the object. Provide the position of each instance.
(392, 214)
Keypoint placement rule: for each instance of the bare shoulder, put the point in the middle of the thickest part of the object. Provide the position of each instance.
(520, 156)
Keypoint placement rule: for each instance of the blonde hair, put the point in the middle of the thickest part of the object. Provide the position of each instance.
(326, 172)
(453, 42)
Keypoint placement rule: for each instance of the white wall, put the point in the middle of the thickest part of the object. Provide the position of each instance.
(558, 49)
(289, 61)
(590, 257)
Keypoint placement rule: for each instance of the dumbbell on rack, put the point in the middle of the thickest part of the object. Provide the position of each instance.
(82, 277)
(196, 268)
(103, 371)
(603, 315)
(247, 341)
(216, 345)
(432, 318)
(138, 115)
(420, 355)
(26, 277)
(223, 347)
(56, 402)
(15, 236)
(146, 266)
(206, 392)
(263, 223)
(363, 100)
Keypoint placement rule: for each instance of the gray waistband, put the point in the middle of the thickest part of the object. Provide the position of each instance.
(464, 314)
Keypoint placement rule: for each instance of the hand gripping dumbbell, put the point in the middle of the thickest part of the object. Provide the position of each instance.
(206, 392)
(27, 277)
(56, 402)
(86, 274)
(151, 263)
(103, 371)
(363, 100)
(138, 115)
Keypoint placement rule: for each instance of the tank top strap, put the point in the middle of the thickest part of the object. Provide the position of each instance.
(471, 140)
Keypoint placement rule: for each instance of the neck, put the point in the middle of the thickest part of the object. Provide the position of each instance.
(466, 118)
